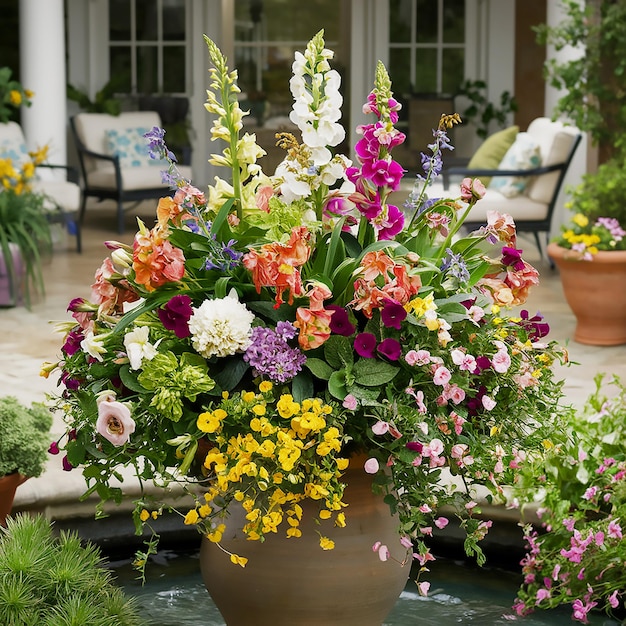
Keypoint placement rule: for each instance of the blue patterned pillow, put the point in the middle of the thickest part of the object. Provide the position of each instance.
(131, 147)
(14, 150)
(524, 154)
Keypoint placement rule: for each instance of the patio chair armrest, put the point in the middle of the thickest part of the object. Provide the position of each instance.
(72, 172)
(473, 173)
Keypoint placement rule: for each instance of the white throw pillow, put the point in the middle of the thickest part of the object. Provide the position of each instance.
(524, 154)
(131, 147)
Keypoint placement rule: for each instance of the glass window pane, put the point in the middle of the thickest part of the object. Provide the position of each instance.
(400, 70)
(400, 20)
(147, 70)
(454, 21)
(174, 69)
(146, 15)
(299, 21)
(174, 20)
(426, 21)
(119, 20)
(119, 64)
(453, 67)
(426, 72)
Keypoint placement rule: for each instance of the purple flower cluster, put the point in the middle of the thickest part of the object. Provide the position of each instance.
(271, 355)
(156, 145)
(224, 256)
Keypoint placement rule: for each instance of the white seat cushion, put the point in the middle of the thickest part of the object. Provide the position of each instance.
(63, 193)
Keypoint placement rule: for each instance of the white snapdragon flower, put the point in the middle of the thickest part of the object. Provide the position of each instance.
(221, 327)
(138, 346)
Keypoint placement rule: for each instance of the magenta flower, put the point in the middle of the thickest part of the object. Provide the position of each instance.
(511, 257)
(383, 173)
(390, 348)
(175, 315)
(340, 323)
(72, 342)
(54, 448)
(392, 225)
(67, 466)
(393, 314)
(365, 345)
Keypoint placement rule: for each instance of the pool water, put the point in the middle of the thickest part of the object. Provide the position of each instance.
(174, 595)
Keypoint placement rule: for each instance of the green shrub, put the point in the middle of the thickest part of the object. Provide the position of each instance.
(24, 437)
(49, 581)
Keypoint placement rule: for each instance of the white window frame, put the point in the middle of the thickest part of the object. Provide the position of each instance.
(159, 43)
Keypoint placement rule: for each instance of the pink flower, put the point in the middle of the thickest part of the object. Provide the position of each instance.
(350, 402)
(380, 427)
(371, 465)
(423, 588)
(580, 610)
(114, 422)
(613, 601)
(542, 594)
(614, 530)
(488, 403)
(501, 361)
(471, 189)
(441, 522)
(442, 375)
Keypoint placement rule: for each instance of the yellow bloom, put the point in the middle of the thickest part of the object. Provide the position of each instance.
(191, 517)
(342, 464)
(325, 514)
(326, 543)
(265, 386)
(259, 409)
(580, 220)
(216, 535)
(211, 422)
(155, 514)
(248, 396)
(238, 560)
(15, 97)
(286, 407)
(340, 521)
(144, 515)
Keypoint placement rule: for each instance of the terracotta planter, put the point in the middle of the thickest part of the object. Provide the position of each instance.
(596, 292)
(8, 486)
(293, 581)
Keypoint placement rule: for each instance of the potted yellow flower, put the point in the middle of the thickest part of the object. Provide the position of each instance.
(320, 371)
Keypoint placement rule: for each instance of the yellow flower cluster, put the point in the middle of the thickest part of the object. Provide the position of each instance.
(269, 454)
(18, 179)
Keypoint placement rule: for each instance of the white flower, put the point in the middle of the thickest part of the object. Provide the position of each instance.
(221, 327)
(138, 347)
(94, 346)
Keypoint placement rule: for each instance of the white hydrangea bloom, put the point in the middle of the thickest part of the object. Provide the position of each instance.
(221, 327)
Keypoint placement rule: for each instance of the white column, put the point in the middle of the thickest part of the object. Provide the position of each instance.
(42, 59)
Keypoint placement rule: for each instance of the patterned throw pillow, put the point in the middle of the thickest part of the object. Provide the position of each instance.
(131, 147)
(524, 154)
(14, 150)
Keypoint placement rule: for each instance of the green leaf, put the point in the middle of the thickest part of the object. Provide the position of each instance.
(220, 218)
(319, 368)
(372, 372)
(337, 385)
(232, 370)
(130, 380)
(338, 352)
(302, 387)
(367, 397)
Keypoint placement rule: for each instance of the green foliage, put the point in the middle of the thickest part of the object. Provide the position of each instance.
(103, 102)
(593, 83)
(12, 95)
(23, 223)
(601, 193)
(580, 560)
(481, 111)
(50, 581)
(24, 437)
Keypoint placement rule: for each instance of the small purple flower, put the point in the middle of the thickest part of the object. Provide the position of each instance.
(340, 323)
(286, 330)
(175, 315)
(535, 326)
(156, 145)
(454, 265)
(482, 363)
(270, 355)
(390, 348)
(76, 305)
(512, 257)
(54, 448)
(72, 342)
(67, 466)
(393, 314)
(415, 446)
(365, 345)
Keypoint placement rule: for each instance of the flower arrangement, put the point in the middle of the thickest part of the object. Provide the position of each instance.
(577, 558)
(24, 224)
(254, 339)
(12, 95)
(585, 237)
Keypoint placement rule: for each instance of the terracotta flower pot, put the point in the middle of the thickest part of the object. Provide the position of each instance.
(293, 581)
(8, 486)
(596, 292)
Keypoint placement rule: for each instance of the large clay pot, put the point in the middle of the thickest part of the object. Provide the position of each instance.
(596, 292)
(293, 582)
(8, 486)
